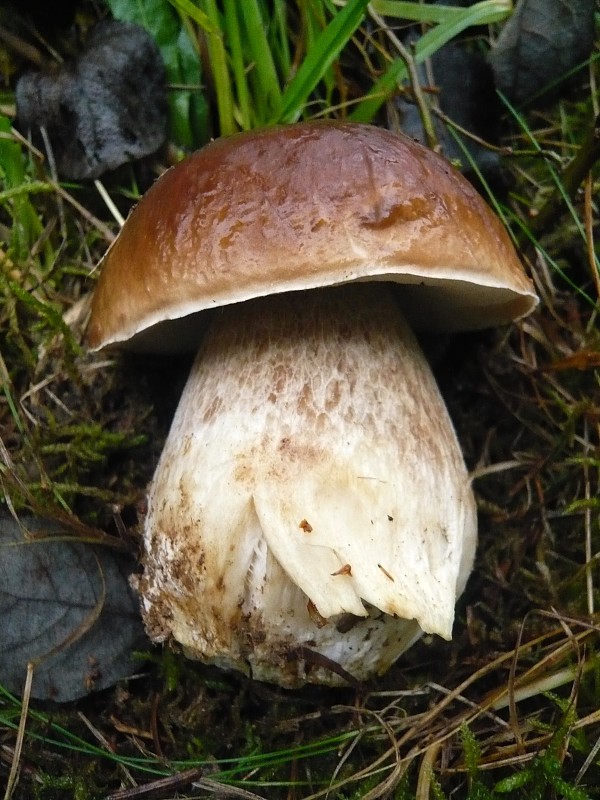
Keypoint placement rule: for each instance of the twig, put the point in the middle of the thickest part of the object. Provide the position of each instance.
(109, 202)
(501, 149)
(571, 178)
(105, 743)
(106, 232)
(415, 84)
(14, 768)
(591, 757)
(162, 785)
(589, 233)
(24, 49)
(589, 556)
(55, 186)
(54, 175)
(224, 791)
(426, 771)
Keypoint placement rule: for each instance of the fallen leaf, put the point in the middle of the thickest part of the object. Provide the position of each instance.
(541, 42)
(188, 106)
(464, 89)
(66, 606)
(106, 109)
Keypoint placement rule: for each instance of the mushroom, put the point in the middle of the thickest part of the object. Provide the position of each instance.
(311, 513)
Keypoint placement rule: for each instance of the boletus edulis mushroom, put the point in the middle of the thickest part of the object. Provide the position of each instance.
(311, 514)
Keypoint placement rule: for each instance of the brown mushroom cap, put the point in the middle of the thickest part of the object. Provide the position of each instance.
(299, 207)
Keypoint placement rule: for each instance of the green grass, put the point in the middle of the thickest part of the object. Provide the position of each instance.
(43, 729)
(450, 22)
(260, 76)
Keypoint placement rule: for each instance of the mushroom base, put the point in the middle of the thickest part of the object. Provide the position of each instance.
(311, 513)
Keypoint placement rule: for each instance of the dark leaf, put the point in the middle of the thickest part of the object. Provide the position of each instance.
(68, 607)
(188, 111)
(464, 89)
(108, 108)
(540, 44)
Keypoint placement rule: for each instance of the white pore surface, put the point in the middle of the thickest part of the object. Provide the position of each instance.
(311, 507)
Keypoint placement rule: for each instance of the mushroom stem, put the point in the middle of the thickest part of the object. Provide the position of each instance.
(311, 495)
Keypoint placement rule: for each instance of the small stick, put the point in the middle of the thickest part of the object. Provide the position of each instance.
(415, 85)
(571, 178)
(589, 233)
(23, 48)
(14, 767)
(324, 662)
(161, 785)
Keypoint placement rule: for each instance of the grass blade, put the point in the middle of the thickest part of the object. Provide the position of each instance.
(264, 67)
(483, 13)
(238, 67)
(191, 10)
(324, 52)
(220, 70)
(446, 15)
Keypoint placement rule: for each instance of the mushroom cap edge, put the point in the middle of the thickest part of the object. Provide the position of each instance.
(300, 207)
